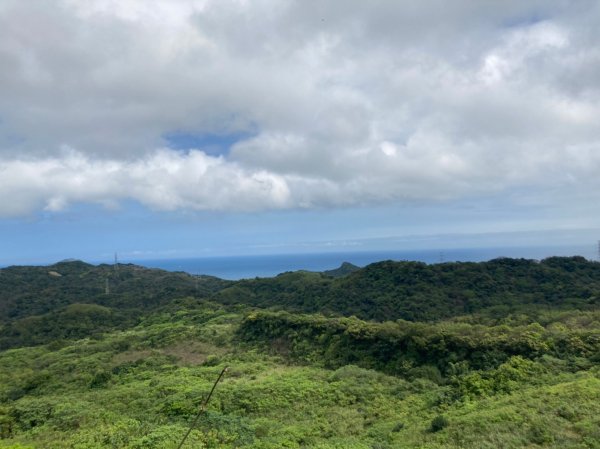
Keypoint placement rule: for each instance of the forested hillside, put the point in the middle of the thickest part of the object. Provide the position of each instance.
(75, 299)
(516, 365)
(36, 290)
(419, 292)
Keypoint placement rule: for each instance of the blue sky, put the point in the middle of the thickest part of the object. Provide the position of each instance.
(204, 128)
(136, 234)
(212, 144)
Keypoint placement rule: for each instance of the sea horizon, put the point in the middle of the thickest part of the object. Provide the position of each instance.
(235, 267)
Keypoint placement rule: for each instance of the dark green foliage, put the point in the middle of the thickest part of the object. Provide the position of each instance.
(68, 300)
(438, 423)
(100, 379)
(541, 434)
(38, 304)
(28, 291)
(398, 427)
(418, 350)
(415, 291)
(74, 321)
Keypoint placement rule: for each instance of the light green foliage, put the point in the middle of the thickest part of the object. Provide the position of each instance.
(108, 394)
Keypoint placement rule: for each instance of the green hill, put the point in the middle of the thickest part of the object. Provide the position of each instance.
(26, 290)
(74, 299)
(416, 291)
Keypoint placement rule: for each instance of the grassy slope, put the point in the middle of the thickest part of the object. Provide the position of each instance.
(139, 389)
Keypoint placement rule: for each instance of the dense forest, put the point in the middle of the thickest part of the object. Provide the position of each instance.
(504, 353)
(416, 291)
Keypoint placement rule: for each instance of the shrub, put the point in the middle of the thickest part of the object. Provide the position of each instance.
(540, 434)
(438, 423)
(101, 379)
(398, 427)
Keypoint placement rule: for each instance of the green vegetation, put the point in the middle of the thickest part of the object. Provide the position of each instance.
(400, 347)
(415, 291)
(83, 369)
(75, 299)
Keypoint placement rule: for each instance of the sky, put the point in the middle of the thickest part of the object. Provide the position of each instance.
(161, 129)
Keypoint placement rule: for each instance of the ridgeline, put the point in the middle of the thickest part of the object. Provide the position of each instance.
(416, 291)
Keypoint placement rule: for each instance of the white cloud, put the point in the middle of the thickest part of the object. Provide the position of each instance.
(351, 103)
(163, 180)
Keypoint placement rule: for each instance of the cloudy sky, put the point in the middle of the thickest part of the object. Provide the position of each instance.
(185, 128)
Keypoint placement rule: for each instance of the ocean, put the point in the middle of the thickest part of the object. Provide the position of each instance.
(243, 267)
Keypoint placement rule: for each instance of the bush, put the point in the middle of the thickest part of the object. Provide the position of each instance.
(428, 372)
(398, 427)
(438, 423)
(101, 379)
(540, 434)
(212, 360)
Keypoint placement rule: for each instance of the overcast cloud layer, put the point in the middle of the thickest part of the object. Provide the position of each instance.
(340, 102)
